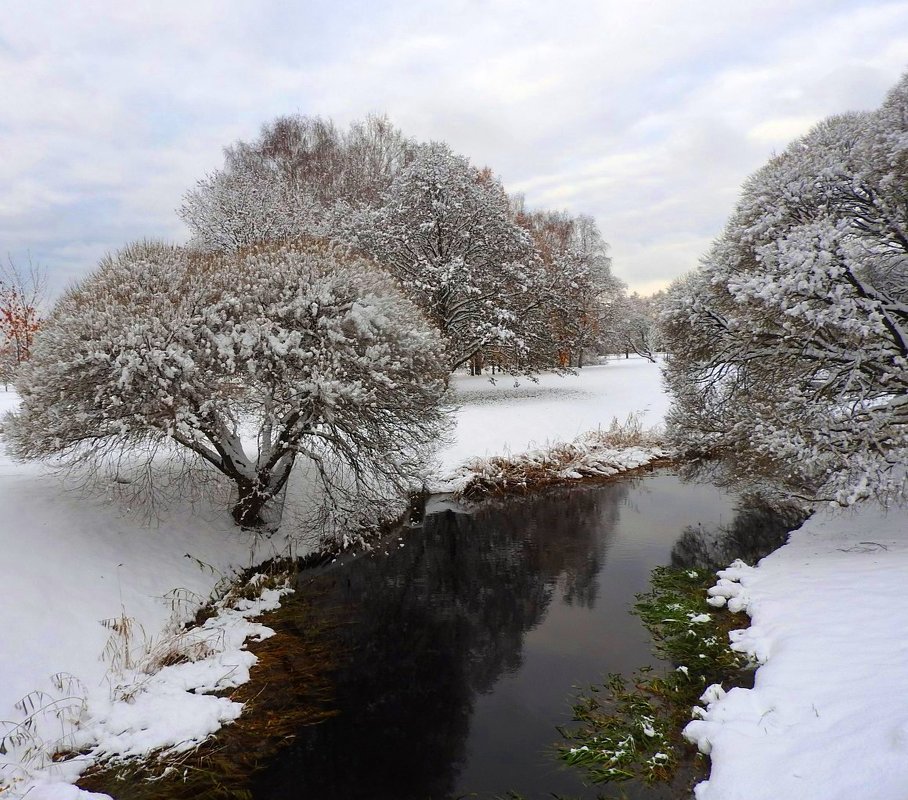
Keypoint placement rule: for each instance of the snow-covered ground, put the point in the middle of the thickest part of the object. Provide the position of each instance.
(71, 562)
(83, 582)
(501, 418)
(827, 718)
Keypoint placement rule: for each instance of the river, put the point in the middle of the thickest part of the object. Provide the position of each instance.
(459, 644)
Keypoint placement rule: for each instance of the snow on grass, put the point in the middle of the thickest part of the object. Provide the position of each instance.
(599, 454)
(502, 419)
(75, 569)
(91, 590)
(155, 708)
(827, 718)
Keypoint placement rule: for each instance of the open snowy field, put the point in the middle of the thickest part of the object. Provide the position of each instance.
(71, 561)
(501, 418)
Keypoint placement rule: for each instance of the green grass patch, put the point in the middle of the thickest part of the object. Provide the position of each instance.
(631, 729)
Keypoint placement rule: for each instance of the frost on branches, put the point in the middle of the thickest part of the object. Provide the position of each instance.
(445, 230)
(285, 184)
(577, 284)
(21, 295)
(246, 360)
(790, 344)
(507, 289)
(633, 325)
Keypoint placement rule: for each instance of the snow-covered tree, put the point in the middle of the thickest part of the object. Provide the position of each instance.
(284, 184)
(247, 361)
(790, 344)
(7, 364)
(245, 204)
(632, 324)
(446, 232)
(577, 282)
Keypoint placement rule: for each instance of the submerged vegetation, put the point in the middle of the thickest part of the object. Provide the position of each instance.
(631, 730)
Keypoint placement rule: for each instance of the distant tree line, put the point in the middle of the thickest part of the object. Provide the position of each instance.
(508, 288)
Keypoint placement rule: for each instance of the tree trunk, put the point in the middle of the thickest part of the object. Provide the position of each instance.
(247, 512)
(476, 364)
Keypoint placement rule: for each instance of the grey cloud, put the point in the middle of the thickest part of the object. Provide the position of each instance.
(646, 115)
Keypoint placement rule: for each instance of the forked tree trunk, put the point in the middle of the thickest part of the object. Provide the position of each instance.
(254, 494)
(251, 499)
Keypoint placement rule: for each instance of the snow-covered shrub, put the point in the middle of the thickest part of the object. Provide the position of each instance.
(245, 360)
(790, 344)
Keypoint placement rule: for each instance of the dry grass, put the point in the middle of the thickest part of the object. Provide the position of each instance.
(46, 730)
(598, 454)
(289, 688)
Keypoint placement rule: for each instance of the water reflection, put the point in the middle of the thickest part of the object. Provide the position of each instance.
(461, 646)
(756, 530)
(429, 627)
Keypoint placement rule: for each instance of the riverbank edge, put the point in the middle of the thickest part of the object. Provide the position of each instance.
(288, 687)
(633, 727)
(166, 773)
(598, 454)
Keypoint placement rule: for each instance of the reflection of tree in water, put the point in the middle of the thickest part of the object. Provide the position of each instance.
(429, 626)
(756, 531)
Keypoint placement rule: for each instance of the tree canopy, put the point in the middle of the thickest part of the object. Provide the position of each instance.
(247, 360)
(503, 286)
(445, 230)
(790, 344)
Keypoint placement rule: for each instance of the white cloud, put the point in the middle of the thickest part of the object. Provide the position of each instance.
(646, 115)
(781, 130)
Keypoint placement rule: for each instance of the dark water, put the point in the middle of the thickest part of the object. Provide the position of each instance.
(461, 647)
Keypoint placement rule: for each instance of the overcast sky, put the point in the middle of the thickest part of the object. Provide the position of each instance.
(646, 115)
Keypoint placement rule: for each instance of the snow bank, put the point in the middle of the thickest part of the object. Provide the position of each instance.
(501, 419)
(154, 708)
(827, 718)
(78, 571)
(595, 454)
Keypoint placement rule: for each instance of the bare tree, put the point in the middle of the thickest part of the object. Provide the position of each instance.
(22, 295)
(248, 361)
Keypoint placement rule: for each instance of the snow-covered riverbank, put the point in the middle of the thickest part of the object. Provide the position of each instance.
(827, 718)
(76, 566)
